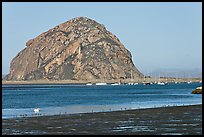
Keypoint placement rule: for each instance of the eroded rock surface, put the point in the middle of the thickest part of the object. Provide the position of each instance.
(80, 49)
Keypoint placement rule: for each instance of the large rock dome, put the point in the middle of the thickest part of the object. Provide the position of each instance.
(79, 49)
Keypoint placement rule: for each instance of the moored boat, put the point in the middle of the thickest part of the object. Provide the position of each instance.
(101, 83)
(115, 84)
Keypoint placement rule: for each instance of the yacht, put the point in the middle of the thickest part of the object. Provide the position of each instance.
(101, 83)
(36, 110)
(189, 82)
(161, 83)
(115, 84)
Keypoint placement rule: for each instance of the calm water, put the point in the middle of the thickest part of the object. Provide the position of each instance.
(61, 99)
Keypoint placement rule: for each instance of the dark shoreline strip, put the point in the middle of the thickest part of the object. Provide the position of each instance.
(178, 120)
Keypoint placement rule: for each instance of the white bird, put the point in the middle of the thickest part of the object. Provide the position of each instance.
(37, 110)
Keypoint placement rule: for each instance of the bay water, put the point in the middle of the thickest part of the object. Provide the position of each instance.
(55, 99)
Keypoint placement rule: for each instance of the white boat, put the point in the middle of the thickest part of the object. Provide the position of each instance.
(189, 82)
(115, 84)
(161, 83)
(36, 110)
(89, 84)
(101, 83)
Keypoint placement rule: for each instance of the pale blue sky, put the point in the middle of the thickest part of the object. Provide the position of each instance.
(159, 35)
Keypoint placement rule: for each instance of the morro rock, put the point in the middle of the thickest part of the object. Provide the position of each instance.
(79, 49)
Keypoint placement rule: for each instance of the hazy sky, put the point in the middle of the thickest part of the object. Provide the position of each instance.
(159, 35)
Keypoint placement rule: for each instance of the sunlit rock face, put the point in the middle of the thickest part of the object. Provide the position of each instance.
(79, 49)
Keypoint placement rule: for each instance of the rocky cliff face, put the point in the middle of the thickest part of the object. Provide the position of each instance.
(79, 49)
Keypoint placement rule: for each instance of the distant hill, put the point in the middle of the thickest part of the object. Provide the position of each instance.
(192, 73)
(79, 49)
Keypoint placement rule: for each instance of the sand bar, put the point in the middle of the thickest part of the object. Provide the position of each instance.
(177, 120)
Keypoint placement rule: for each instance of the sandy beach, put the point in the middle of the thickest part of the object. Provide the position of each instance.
(4, 82)
(177, 120)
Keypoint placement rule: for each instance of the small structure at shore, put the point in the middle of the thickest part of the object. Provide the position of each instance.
(198, 90)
